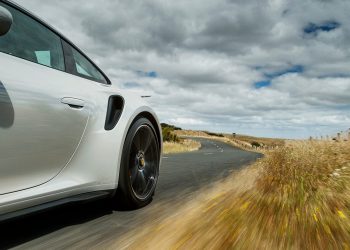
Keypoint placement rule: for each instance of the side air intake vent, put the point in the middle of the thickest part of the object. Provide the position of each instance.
(114, 111)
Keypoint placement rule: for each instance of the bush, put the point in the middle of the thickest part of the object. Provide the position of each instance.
(165, 125)
(213, 134)
(255, 144)
(168, 135)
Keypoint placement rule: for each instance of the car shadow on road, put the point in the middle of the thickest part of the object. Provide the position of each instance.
(21, 230)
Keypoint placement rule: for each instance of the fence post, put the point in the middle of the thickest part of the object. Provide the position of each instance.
(338, 136)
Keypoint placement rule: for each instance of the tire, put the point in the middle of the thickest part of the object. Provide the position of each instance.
(139, 169)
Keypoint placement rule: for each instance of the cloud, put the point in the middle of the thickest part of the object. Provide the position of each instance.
(262, 67)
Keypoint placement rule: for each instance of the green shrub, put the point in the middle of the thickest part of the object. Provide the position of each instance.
(255, 144)
(165, 125)
(168, 135)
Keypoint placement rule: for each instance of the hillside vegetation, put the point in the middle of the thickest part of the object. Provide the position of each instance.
(172, 143)
(296, 197)
(242, 141)
(257, 141)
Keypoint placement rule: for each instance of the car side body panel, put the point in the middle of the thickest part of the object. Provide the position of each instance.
(96, 162)
(42, 125)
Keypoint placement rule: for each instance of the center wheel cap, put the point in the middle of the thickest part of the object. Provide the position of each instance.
(142, 162)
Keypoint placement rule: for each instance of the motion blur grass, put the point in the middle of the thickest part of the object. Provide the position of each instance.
(185, 145)
(296, 197)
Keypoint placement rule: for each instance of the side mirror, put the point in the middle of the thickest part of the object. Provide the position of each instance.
(6, 21)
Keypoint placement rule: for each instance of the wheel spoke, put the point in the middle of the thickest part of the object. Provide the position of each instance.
(137, 141)
(142, 183)
(147, 173)
(133, 173)
(149, 158)
(135, 182)
(147, 141)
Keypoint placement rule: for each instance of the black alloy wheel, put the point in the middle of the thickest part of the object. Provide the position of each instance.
(139, 166)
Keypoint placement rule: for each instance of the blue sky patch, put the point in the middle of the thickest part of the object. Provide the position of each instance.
(262, 84)
(151, 74)
(131, 85)
(313, 29)
(336, 75)
(270, 76)
(293, 69)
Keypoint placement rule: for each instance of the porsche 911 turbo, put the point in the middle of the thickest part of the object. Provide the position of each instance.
(66, 133)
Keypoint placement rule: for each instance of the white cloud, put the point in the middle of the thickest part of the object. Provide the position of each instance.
(186, 121)
(208, 55)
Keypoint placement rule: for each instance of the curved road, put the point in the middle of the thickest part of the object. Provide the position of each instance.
(94, 224)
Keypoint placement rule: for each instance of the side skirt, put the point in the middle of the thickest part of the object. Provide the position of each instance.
(81, 198)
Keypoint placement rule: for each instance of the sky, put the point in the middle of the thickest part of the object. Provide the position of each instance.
(268, 68)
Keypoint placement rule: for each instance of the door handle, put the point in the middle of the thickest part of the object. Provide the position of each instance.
(74, 103)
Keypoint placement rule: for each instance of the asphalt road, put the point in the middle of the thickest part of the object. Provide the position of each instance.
(95, 224)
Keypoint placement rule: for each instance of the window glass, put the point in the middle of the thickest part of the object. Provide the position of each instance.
(30, 40)
(86, 69)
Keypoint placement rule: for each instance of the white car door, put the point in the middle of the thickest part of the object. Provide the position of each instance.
(43, 111)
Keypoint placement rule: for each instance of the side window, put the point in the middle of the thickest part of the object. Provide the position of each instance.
(30, 40)
(84, 68)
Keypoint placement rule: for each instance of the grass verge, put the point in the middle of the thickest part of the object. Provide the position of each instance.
(185, 145)
(297, 197)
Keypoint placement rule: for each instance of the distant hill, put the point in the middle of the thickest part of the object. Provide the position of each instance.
(165, 125)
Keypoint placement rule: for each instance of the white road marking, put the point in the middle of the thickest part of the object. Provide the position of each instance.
(164, 157)
(208, 153)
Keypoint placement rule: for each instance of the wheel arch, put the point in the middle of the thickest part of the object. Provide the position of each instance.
(155, 123)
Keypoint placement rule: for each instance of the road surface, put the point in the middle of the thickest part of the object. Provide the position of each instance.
(95, 224)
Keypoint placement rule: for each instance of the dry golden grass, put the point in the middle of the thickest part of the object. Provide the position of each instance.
(270, 142)
(185, 145)
(297, 197)
(241, 141)
(194, 133)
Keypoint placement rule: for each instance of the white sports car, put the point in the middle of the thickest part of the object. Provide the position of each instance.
(66, 134)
